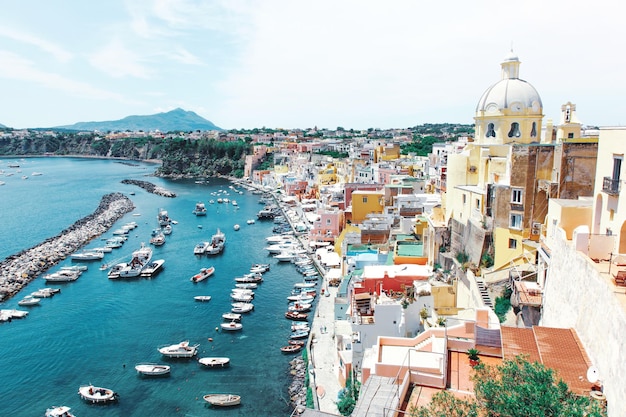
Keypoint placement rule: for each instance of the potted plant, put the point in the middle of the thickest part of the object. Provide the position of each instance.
(474, 359)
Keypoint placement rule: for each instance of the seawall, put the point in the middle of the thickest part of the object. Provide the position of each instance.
(16, 271)
(151, 188)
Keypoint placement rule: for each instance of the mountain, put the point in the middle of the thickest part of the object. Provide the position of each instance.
(175, 120)
(2, 126)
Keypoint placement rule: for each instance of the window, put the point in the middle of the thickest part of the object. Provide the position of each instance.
(515, 221)
(327, 222)
(464, 199)
(617, 168)
(514, 132)
(478, 203)
(491, 133)
(570, 135)
(516, 195)
(364, 199)
(533, 131)
(512, 243)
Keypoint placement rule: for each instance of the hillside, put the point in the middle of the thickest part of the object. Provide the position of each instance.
(172, 121)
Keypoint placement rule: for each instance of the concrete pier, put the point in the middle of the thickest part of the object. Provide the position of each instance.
(16, 271)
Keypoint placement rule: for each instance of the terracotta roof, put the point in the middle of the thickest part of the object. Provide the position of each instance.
(558, 349)
(528, 294)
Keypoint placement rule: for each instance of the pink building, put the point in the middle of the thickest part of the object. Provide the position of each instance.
(328, 226)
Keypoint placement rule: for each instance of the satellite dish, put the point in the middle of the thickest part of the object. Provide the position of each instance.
(592, 374)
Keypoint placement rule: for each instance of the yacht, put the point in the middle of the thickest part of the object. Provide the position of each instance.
(218, 240)
(179, 350)
(140, 260)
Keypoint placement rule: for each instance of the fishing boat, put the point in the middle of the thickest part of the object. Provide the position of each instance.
(202, 298)
(222, 400)
(294, 315)
(203, 274)
(231, 316)
(291, 348)
(95, 395)
(214, 362)
(152, 369)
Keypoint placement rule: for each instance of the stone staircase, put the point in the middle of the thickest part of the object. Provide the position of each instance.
(483, 292)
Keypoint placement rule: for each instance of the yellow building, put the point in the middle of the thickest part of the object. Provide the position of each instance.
(503, 180)
(327, 175)
(366, 202)
(387, 152)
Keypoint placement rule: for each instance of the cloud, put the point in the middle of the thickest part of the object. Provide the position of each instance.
(116, 60)
(17, 68)
(55, 50)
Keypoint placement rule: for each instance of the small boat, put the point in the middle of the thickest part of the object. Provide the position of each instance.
(95, 395)
(231, 326)
(231, 316)
(222, 400)
(300, 326)
(202, 298)
(179, 350)
(200, 209)
(252, 277)
(203, 274)
(259, 268)
(291, 348)
(247, 285)
(250, 221)
(87, 256)
(242, 307)
(294, 315)
(158, 239)
(152, 369)
(201, 248)
(29, 300)
(299, 307)
(242, 297)
(114, 272)
(45, 292)
(59, 411)
(153, 268)
(301, 298)
(81, 268)
(167, 230)
(304, 285)
(64, 275)
(236, 227)
(299, 334)
(214, 362)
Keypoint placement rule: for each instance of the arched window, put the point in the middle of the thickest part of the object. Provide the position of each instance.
(514, 132)
(533, 131)
(491, 133)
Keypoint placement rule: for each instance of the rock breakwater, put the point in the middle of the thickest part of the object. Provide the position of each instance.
(151, 188)
(16, 271)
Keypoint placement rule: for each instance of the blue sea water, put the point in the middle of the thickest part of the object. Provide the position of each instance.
(97, 329)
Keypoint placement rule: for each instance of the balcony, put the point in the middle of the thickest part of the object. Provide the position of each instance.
(610, 186)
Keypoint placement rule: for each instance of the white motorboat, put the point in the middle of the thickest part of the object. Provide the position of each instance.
(59, 411)
(201, 248)
(81, 268)
(114, 272)
(231, 326)
(241, 297)
(231, 316)
(218, 241)
(87, 256)
(200, 209)
(163, 218)
(140, 260)
(260, 268)
(214, 362)
(202, 298)
(304, 285)
(64, 275)
(285, 256)
(248, 278)
(43, 293)
(29, 300)
(203, 274)
(152, 369)
(300, 326)
(158, 239)
(179, 350)
(104, 249)
(299, 307)
(279, 247)
(250, 221)
(95, 395)
(236, 227)
(222, 400)
(167, 229)
(153, 268)
(301, 298)
(247, 285)
(242, 307)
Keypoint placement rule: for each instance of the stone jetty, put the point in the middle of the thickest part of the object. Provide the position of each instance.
(151, 188)
(18, 270)
(298, 387)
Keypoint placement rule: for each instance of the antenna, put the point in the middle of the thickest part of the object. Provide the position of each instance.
(592, 374)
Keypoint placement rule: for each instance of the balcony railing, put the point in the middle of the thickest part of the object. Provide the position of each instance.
(610, 186)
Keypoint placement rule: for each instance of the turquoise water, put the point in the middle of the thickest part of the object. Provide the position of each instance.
(97, 329)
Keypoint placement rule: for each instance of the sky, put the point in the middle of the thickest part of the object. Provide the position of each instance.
(303, 64)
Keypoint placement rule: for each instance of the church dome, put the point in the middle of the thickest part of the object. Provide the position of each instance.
(510, 93)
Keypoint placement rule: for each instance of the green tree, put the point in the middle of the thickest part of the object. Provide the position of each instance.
(515, 388)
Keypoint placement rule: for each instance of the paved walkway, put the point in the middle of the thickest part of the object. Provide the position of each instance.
(323, 353)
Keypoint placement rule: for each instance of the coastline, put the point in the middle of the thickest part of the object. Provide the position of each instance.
(16, 271)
